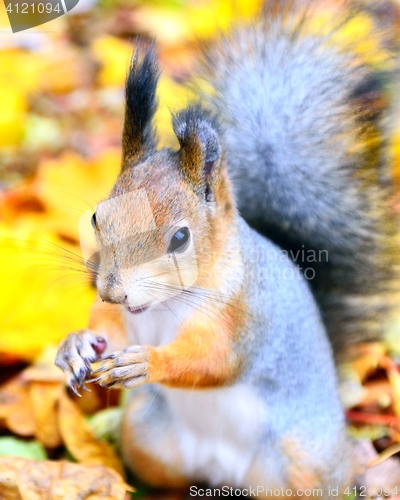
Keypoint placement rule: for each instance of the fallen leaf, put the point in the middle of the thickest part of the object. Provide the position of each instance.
(44, 398)
(43, 300)
(12, 116)
(106, 424)
(44, 369)
(13, 447)
(80, 440)
(366, 358)
(113, 56)
(15, 407)
(22, 479)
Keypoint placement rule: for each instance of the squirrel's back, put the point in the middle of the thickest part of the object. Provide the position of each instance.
(305, 97)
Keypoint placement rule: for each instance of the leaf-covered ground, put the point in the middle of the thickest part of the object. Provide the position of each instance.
(61, 111)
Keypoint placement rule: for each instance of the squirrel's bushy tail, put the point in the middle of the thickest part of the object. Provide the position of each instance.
(305, 99)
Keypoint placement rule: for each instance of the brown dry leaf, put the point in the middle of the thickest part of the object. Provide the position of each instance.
(100, 398)
(80, 440)
(45, 385)
(15, 407)
(22, 479)
(44, 398)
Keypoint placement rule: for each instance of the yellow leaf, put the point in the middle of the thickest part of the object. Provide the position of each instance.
(48, 293)
(168, 26)
(172, 97)
(80, 440)
(366, 358)
(22, 71)
(13, 111)
(42, 301)
(195, 20)
(113, 55)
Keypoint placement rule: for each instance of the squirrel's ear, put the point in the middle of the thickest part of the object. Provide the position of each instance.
(139, 137)
(200, 153)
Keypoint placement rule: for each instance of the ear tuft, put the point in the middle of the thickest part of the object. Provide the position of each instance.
(199, 137)
(140, 96)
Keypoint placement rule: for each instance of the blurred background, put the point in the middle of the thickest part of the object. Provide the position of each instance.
(61, 102)
(61, 116)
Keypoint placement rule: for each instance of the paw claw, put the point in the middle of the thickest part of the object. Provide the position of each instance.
(74, 388)
(92, 380)
(81, 376)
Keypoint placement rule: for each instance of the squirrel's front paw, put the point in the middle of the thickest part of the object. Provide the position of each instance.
(124, 369)
(76, 353)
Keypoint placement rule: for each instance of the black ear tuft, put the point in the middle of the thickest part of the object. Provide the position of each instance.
(199, 137)
(141, 104)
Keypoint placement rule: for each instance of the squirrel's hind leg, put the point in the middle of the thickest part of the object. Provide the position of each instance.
(303, 474)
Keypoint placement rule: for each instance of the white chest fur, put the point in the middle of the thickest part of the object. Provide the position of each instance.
(218, 430)
(158, 325)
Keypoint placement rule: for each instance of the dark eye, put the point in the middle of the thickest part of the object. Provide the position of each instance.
(179, 241)
(94, 222)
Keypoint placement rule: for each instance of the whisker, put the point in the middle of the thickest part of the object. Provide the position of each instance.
(214, 314)
(210, 294)
(167, 306)
(195, 305)
(75, 196)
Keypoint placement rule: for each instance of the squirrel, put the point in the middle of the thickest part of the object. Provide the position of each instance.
(237, 271)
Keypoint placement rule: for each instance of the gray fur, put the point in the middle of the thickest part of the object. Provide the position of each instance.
(302, 427)
(294, 109)
(298, 386)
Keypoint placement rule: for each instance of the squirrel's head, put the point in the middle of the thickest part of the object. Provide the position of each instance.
(162, 228)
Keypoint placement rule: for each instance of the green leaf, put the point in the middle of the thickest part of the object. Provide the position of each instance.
(106, 424)
(13, 447)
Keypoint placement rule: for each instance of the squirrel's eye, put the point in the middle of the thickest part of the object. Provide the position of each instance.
(179, 241)
(94, 222)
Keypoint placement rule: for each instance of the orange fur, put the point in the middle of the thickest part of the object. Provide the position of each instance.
(202, 355)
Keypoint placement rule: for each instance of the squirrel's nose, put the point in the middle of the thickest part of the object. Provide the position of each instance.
(113, 298)
(111, 289)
